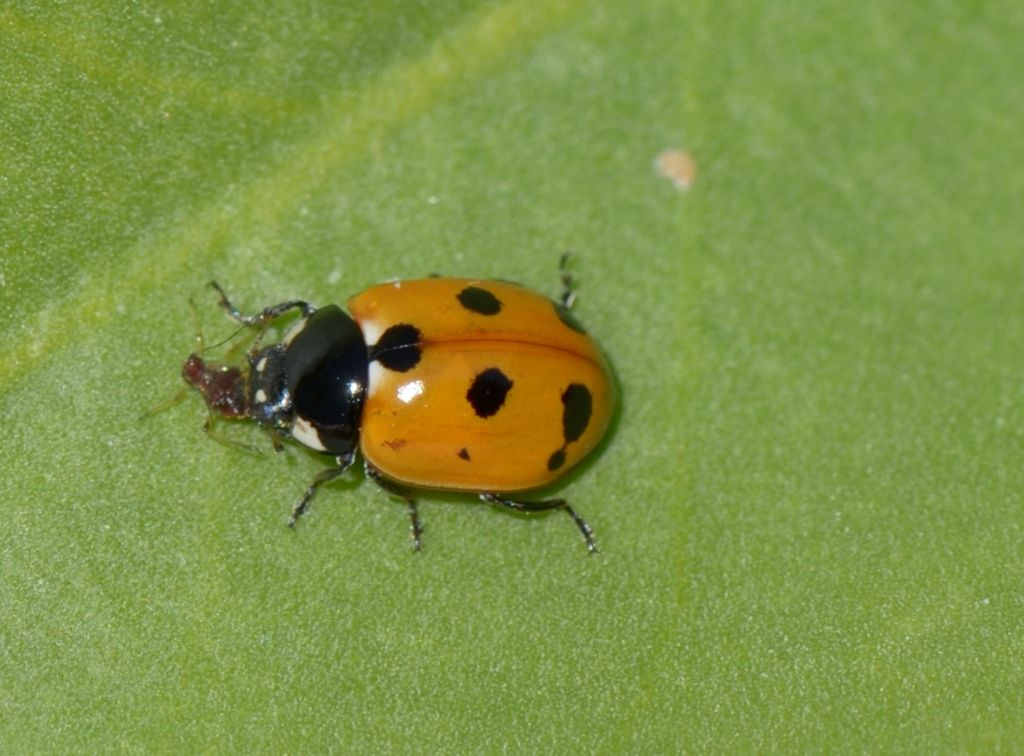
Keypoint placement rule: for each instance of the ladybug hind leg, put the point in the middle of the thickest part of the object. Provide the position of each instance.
(568, 296)
(546, 506)
(415, 526)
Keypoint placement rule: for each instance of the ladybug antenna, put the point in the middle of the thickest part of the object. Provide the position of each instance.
(230, 337)
(197, 327)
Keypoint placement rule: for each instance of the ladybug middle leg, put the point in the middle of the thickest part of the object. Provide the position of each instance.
(546, 506)
(416, 527)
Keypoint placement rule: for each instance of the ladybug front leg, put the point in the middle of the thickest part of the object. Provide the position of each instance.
(546, 506)
(405, 494)
(344, 462)
(265, 315)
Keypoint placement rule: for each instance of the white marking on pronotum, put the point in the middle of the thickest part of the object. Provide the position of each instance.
(261, 365)
(294, 331)
(306, 434)
(261, 395)
(371, 332)
(375, 377)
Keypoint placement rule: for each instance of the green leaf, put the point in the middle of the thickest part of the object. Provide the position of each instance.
(809, 507)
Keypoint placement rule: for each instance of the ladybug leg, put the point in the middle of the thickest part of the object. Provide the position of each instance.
(416, 527)
(266, 314)
(344, 462)
(546, 506)
(568, 296)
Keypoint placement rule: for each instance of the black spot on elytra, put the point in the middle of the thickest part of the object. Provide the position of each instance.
(480, 301)
(578, 405)
(398, 348)
(568, 318)
(464, 454)
(488, 391)
(556, 460)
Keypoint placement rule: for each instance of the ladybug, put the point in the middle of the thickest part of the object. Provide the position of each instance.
(457, 384)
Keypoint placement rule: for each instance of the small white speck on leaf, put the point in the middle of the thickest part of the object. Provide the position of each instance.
(678, 166)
